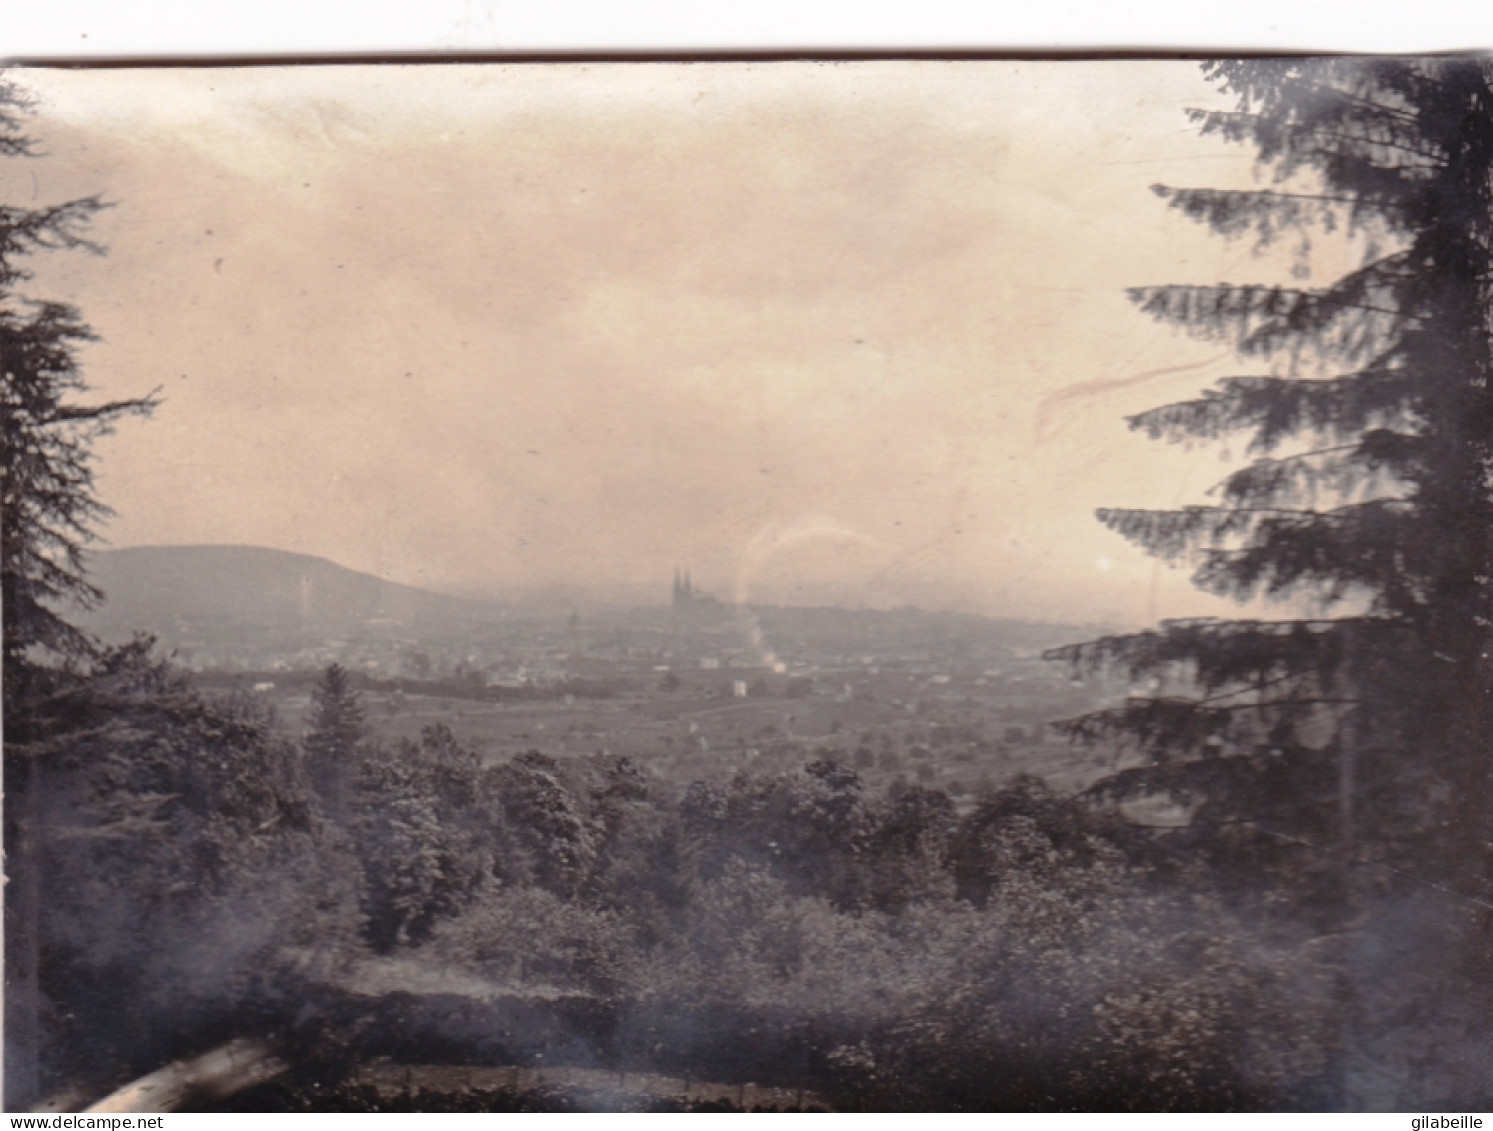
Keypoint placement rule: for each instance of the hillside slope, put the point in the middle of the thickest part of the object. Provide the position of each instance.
(172, 590)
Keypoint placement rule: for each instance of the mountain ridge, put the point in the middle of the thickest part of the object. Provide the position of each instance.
(222, 592)
(171, 588)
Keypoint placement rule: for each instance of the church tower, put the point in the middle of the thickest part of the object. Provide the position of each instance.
(684, 589)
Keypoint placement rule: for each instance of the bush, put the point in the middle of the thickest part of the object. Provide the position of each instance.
(527, 937)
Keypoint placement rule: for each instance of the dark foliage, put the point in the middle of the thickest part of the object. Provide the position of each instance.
(422, 834)
(334, 739)
(1358, 739)
(186, 873)
(48, 517)
(1333, 767)
(50, 510)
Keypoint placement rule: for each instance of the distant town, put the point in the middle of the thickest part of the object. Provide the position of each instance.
(690, 688)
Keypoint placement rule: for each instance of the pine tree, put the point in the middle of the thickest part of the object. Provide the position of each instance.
(1355, 741)
(50, 509)
(48, 517)
(337, 731)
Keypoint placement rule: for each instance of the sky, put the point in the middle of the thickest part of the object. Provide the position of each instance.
(846, 333)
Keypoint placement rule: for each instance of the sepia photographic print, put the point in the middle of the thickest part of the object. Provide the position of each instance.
(764, 585)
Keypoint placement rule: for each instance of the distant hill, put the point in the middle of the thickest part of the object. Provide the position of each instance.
(176, 592)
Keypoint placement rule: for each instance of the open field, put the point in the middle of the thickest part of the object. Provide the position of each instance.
(687, 736)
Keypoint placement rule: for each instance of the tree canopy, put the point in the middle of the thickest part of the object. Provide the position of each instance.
(50, 508)
(1357, 730)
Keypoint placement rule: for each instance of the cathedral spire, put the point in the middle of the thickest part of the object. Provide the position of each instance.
(684, 588)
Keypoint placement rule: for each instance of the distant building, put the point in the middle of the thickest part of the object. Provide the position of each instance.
(687, 598)
(739, 688)
(684, 589)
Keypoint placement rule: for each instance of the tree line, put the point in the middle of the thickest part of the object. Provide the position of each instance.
(205, 874)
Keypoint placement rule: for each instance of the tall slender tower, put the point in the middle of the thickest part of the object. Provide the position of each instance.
(684, 588)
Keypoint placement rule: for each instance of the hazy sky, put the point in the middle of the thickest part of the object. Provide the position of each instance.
(847, 332)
